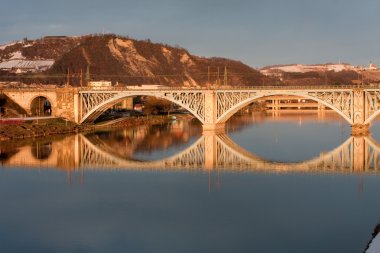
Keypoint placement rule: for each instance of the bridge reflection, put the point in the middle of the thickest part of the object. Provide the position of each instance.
(209, 152)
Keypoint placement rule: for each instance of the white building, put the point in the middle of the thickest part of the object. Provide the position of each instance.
(100, 83)
(372, 66)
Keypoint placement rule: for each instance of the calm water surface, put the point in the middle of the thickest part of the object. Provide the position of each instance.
(112, 192)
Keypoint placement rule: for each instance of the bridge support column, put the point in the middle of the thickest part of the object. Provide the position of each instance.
(76, 107)
(358, 127)
(210, 150)
(214, 128)
(210, 110)
(67, 104)
(359, 152)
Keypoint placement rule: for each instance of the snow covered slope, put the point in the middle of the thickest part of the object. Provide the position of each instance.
(300, 68)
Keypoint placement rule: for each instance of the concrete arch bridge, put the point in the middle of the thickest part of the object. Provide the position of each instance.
(212, 107)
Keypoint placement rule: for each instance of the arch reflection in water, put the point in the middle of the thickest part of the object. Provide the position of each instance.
(208, 152)
(41, 151)
(220, 152)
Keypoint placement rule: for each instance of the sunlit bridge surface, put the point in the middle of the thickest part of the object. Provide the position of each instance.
(273, 182)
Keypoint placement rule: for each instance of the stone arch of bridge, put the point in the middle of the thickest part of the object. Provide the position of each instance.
(34, 99)
(230, 112)
(95, 112)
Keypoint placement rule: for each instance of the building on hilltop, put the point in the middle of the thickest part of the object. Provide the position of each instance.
(372, 66)
(100, 84)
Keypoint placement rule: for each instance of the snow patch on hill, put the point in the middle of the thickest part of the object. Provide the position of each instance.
(300, 68)
(20, 65)
(17, 63)
(2, 47)
(17, 56)
(28, 45)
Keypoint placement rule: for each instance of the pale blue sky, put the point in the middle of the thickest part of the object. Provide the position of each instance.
(257, 32)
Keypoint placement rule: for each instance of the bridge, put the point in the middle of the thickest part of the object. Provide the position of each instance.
(212, 107)
(358, 154)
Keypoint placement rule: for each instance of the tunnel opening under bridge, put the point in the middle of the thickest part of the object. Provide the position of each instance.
(41, 106)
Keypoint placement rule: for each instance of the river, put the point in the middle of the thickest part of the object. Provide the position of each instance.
(270, 183)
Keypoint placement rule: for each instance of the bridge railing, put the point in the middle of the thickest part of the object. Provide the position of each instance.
(217, 88)
(273, 87)
(299, 87)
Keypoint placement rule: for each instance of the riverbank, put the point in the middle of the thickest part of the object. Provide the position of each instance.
(34, 129)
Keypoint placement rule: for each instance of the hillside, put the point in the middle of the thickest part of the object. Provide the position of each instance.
(122, 60)
(323, 74)
(34, 55)
(126, 61)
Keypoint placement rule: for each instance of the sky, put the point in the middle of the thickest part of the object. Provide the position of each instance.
(256, 32)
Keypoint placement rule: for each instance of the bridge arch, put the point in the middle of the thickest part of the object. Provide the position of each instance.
(372, 117)
(231, 111)
(41, 105)
(97, 110)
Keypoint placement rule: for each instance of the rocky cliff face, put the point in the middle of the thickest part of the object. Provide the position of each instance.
(122, 60)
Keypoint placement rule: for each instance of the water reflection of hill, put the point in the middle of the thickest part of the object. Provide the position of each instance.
(145, 139)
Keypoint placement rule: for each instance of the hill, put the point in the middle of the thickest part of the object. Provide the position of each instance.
(122, 60)
(323, 74)
(126, 61)
(34, 55)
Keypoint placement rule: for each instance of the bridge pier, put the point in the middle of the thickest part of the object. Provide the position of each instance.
(210, 123)
(214, 128)
(360, 129)
(359, 109)
(359, 153)
(210, 151)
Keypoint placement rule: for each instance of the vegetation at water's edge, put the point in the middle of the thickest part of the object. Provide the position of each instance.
(17, 130)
